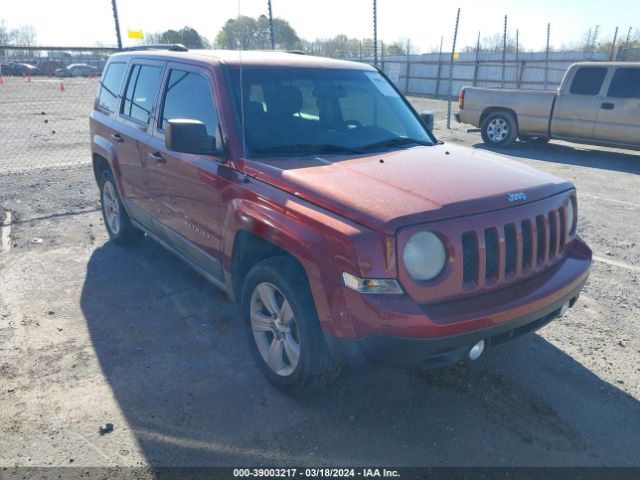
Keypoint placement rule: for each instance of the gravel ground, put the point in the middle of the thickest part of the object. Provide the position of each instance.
(42, 126)
(92, 333)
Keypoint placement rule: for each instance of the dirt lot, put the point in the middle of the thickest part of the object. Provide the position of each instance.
(92, 333)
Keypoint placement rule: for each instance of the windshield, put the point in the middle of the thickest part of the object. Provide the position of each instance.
(308, 111)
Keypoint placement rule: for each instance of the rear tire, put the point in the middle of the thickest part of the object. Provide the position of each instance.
(499, 129)
(283, 329)
(116, 219)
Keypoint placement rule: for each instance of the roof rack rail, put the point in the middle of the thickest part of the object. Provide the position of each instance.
(174, 47)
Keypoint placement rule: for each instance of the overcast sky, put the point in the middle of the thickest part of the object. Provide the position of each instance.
(85, 22)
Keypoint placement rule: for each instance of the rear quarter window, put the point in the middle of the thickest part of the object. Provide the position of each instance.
(625, 83)
(110, 86)
(588, 81)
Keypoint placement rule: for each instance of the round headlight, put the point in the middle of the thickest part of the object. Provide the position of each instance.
(424, 256)
(570, 218)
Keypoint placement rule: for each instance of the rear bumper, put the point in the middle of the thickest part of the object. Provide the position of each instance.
(408, 352)
(457, 117)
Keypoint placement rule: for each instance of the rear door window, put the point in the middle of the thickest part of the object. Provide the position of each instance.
(625, 83)
(110, 87)
(141, 92)
(588, 81)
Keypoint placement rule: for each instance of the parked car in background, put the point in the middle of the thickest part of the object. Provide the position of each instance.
(19, 69)
(313, 193)
(77, 70)
(597, 103)
(48, 66)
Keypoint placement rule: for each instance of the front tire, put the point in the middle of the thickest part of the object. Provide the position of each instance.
(282, 325)
(499, 129)
(116, 219)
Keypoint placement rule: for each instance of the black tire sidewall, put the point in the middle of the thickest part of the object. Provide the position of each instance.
(511, 124)
(313, 352)
(126, 232)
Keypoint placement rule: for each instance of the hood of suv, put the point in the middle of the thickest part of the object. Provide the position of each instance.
(390, 190)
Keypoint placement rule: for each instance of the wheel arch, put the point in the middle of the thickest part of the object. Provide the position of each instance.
(255, 232)
(250, 249)
(100, 164)
(103, 155)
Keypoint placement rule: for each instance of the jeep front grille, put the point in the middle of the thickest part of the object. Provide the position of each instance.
(499, 254)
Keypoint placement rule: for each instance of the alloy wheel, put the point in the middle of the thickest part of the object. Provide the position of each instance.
(274, 329)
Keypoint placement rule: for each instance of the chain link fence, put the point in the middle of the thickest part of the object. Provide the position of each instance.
(44, 117)
(44, 107)
(429, 74)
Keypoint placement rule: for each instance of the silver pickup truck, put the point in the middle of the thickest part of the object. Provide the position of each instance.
(596, 103)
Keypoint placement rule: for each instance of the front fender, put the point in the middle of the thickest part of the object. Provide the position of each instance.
(307, 244)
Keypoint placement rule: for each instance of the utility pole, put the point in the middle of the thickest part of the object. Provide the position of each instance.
(439, 67)
(626, 42)
(476, 65)
(613, 45)
(408, 69)
(271, 33)
(504, 51)
(594, 40)
(453, 56)
(117, 22)
(375, 34)
(517, 58)
(546, 57)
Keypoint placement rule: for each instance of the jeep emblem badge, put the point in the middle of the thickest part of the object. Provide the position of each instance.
(516, 197)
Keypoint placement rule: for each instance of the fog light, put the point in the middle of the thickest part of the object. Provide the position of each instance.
(563, 309)
(476, 350)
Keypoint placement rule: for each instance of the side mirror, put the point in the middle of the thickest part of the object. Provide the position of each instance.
(188, 136)
(427, 119)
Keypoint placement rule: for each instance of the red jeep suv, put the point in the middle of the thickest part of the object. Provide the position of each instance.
(313, 193)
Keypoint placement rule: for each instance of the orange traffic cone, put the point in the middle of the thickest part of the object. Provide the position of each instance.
(62, 86)
(1, 80)
(28, 78)
(90, 76)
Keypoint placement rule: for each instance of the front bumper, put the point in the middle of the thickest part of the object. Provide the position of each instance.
(395, 331)
(407, 352)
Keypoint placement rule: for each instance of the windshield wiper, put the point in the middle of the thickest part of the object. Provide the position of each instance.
(306, 148)
(397, 142)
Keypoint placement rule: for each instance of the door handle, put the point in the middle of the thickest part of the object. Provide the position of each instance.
(157, 157)
(607, 106)
(117, 138)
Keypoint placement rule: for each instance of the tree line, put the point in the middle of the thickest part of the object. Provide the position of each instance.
(23, 36)
(248, 33)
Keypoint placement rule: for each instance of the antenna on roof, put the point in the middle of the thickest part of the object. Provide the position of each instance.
(173, 47)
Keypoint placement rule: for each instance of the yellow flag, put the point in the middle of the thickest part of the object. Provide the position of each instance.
(456, 56)
(135, 34)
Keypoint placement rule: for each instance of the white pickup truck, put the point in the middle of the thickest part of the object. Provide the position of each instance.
(597, 103)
